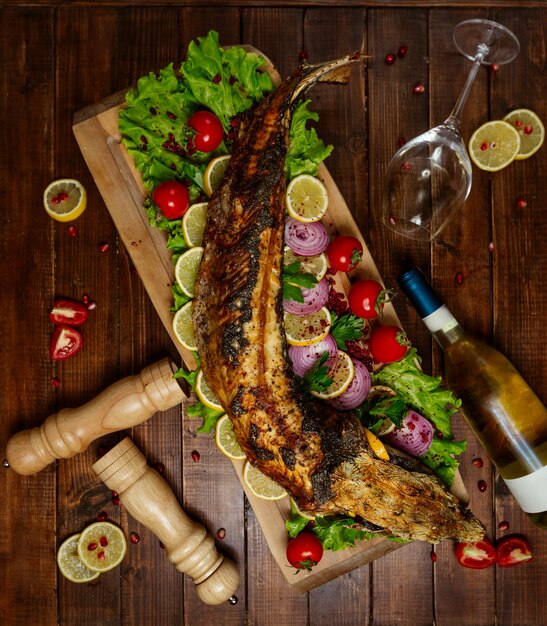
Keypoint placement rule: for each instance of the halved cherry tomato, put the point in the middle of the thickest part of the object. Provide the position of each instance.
(209, 131)
(345, 253)
(172, 198)
(513, 550)
(476, 555)
(388, 344)
(66, 341)
(68, 312)
(367, 298)
(304, 551)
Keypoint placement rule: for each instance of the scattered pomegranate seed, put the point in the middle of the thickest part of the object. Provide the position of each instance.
(195, 456)
(406, 166)
(418, 88)
(92, 546)
(518, 123)
(521, 203)
(528, 130)
(217, 78)
(485, 145)
(91, 305)
(5, 463)
(478, 462)
(482, 485)
(390, 58)
(115, 498)
(160, 468)
(103, 541)
(233, 600)
(221, 533)
(103, 516)
(303, 55)
(494, 67)
(85, 298)
(134, 538)
(401, 142)
(392, 220)
(55, 381)
(402, 51)
(503, 525)
(459, 278)
(72, 231)
(103, 247)
(491, 246)
(101, 555)
(433, 556)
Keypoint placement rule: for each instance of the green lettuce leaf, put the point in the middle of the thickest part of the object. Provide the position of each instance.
(440, 459)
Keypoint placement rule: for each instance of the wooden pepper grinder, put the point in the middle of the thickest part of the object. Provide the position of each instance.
(125, 403)
(150, 500)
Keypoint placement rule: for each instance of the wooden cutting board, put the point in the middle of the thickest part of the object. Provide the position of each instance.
(96, 130)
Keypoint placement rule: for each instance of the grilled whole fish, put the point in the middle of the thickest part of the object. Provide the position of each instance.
(321, 457)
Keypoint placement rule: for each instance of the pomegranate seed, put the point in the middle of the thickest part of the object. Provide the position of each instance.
(401, 142)
(494, 67)
(402, 51)
(491, 246)
(521, 203)
(482, 485)
(433, 556)
(221, 533)
(5, 463)
(103, 247)
(91, 305)
(195, 456)
(72, 231)
(233, 600)
(135, 538)
(85, 298)
(92, 546)
(103, 516)
(115, 498)
(390, 58)
(55, 381)
(103, 541)
(101, 555)
(217, 79)
(406, 166)
(303, 55)
(528, 130)
(503, 525)
(459, 278)
(62, 196)
(392, 220)
(484, 146)
(418, 88)
(518, 123)
(160, 468)
(55, 200)
(478, 462)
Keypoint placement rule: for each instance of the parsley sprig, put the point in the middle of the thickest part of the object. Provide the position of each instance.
(347, 327)
(317, 377)
(294, 281)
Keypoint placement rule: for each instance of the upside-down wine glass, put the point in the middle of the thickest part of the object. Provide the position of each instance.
(429, 178)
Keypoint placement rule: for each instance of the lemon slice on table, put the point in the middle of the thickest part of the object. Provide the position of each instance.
(187, 268)
(261, 485)
(214, 173)
(314, 265)
(205, 394)
(494, 145)
(102, 546)
(65, 199)
(303, 330)
(226, 440)
(193, 224)
(70, 564)
(183, 327)
(341, 372)
(306, 198)
(531, 131)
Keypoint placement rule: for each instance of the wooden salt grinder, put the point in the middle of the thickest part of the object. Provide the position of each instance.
(150, 500)
(125, 403)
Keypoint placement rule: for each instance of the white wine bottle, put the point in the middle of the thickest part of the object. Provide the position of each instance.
(507, 417)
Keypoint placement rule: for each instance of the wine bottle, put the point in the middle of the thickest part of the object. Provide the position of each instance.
(505, 414)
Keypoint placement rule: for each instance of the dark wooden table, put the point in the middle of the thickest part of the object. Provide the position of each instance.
(58, 57)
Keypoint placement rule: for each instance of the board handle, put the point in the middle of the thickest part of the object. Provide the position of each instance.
(125, 403)
(150, 500)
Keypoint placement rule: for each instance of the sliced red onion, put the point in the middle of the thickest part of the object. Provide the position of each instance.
(303, 358)
(414, 436)
(306, 238)
(358, 390)
(314, 299)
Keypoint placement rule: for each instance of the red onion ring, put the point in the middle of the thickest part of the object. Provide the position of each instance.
(306, 238)
(314, 299)
(358, 390)
(414, 436)
(303, 358)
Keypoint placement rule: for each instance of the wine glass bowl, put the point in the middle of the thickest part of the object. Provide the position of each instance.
(501, 44)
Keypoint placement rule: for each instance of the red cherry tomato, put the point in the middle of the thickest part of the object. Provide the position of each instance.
(172, 198)
(513, 550)
(66, 341)
(68, 312)
(476, 555)
(304, 551)
(388, 344)
(345, 253)
(209, 131)
(367, 298)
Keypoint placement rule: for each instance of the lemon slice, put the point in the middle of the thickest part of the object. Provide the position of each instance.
(205, 394)
(65, 199)
(187, 268)
(341, 372)
(193, 224)
(377, 446)
(299, 511)
(531, 131)
(315, 265)
(226, 440)
(102, 546)
(183, 327)
(494, 145)
(214, 173)
(306, 198)
(261, 485)
(69, 562)
(303, 330)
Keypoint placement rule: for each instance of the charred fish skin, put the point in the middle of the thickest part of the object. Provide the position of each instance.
(321, 457)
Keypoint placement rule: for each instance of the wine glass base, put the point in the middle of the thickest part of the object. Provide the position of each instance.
(502, 44)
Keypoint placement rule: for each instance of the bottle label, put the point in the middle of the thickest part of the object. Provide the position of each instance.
(530, 491)
(441, 319)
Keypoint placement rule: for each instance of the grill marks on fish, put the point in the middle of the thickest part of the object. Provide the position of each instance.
(320, 456)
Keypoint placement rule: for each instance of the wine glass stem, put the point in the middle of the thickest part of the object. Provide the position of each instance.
(455, 117)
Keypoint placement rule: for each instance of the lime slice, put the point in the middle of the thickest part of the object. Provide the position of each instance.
(187, 268)
(183, 327)
(341, 372)
(69, 562)
(65, 199)
(193, 224)
(214, 173)
(530, 129)
(303, 330)
(315, 265)
(205, 394)
(494, 145)
(102, 546)
(226, 440)
(261, 485)
(306, 198)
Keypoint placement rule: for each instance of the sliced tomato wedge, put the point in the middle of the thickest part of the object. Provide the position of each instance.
(476, 555)
(513, 550)
(66, 341)
(68, 312)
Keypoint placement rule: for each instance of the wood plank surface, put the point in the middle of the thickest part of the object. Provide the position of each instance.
(57, 58)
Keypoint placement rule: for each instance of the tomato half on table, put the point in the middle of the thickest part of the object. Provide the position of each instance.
(476, 555)
(513, 550)
(345, 253)
(66, 341)
(172, 199)
(68, 312)
(304, 551)
(209, 131)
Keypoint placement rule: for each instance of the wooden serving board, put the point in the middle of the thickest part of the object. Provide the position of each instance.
(96, 130)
